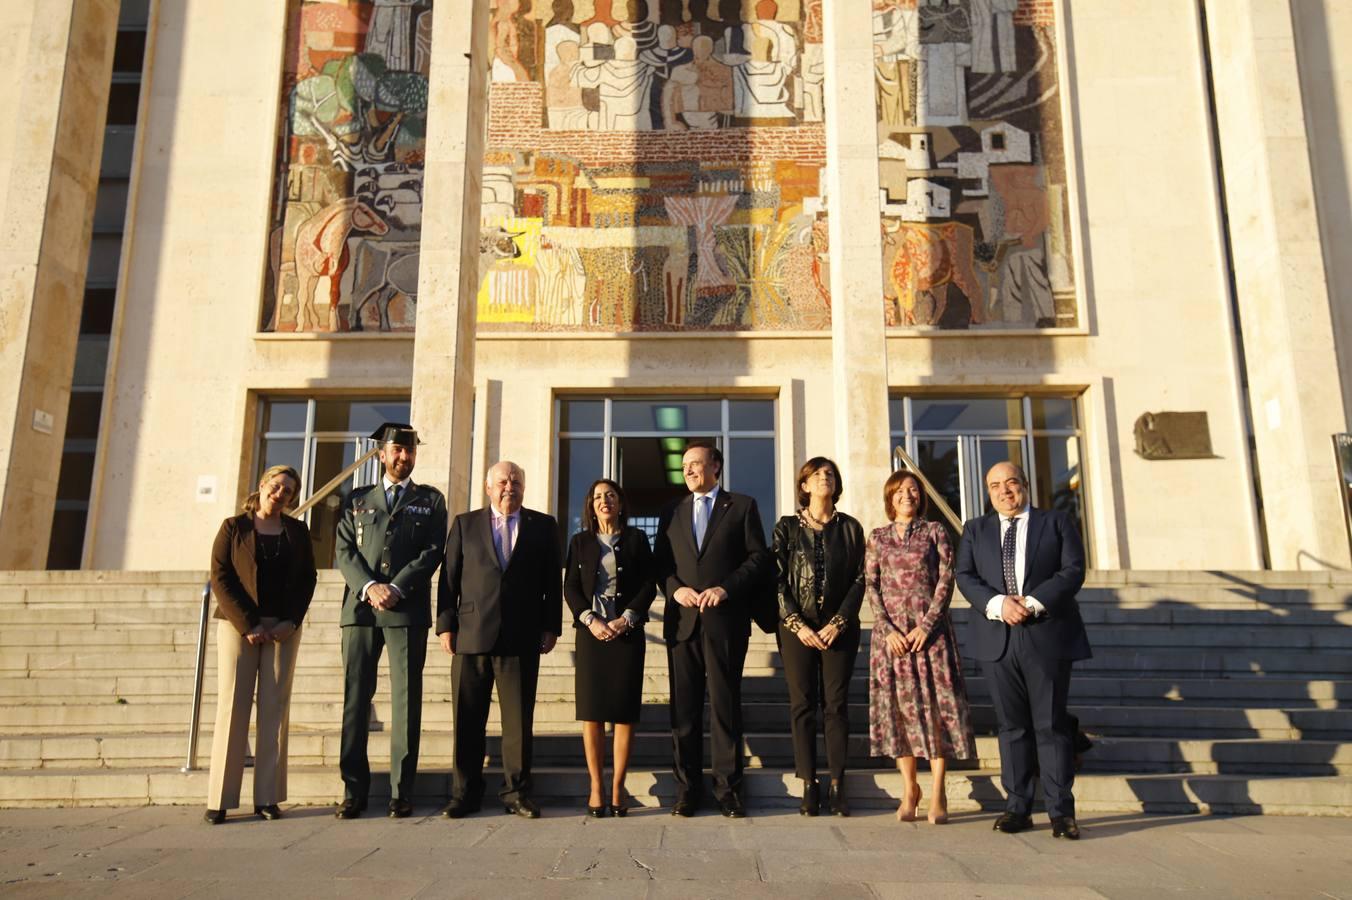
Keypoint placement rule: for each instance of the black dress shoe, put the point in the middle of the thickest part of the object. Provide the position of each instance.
(732, 807)
(400, 809)
(1013, 823)
(598, 812)
(522, 806)
(349, 809)
(836, 799)
(459, 807)
(684, 807)
(1066, 827)
(214, 816)
(812, 799)
(271, 812)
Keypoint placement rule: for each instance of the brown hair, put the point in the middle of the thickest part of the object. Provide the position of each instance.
(589, 506)
(810, 468)
(251, 503)
(891, 486)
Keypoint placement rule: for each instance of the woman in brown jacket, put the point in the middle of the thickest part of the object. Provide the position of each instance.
(263, 576)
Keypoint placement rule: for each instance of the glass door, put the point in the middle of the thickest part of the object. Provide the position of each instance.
(986, 452)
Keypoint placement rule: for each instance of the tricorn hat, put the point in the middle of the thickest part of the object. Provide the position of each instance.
(396, 433)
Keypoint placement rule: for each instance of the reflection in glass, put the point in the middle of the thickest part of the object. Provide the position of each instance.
(580, 463)
(966, 414)
(582, 415)
(283, 452)
(751, 470)
(1059, 478)
(1053, 413)
(285, 415)
(938, 460)
(667, 415)
(751, 415)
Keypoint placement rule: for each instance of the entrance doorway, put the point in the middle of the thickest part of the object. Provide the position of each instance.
(639, 443)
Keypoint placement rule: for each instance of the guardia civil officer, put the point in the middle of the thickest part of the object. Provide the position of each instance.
(390, 541)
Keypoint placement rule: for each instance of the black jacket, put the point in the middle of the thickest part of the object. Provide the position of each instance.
(844, 588)
(634, 587)
(734, 557)
(495, 611)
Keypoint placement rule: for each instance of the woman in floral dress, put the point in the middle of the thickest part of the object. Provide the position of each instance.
(917, 695)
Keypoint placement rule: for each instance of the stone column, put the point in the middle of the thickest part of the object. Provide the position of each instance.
(858, 346)
(1281, 286)
(53, 97)
(448, 278)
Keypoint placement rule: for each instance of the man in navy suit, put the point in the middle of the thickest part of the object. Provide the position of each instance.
(710, 560)
(1020, 569)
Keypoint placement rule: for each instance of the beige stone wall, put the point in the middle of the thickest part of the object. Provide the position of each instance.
(1323, 32)
(187, 357)
(53, 94)
(1156, 313)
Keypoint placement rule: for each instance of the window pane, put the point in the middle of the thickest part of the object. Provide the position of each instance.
(122, 101)
(129, 51)
(82, 416)
(91, 361)
(751, 470)
(1060, 481)
(366, 416)
(77, 474)
(582, 415)
(1053, 413)
(667, 415)
(67, 541)
(751, 415)
(285, 415)
(110, 205)
(953, 414)
(580, 463)
(117, 147)
(938, 460)
(287, 452)
(896, 414)
(105, 252)
(96, 313)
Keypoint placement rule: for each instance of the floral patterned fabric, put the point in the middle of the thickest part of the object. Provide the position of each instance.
(917, 702)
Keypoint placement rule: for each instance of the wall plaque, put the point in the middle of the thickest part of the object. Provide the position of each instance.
(1173, 435)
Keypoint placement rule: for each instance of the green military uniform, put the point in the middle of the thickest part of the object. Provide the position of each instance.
(401, 546)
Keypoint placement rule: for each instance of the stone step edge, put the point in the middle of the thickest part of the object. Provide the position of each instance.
(564, 789)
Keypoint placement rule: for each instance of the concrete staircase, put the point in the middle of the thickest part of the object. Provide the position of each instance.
(1214, 691)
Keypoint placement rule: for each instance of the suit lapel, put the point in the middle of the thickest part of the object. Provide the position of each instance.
(1037, 522)
(382, 501)
(685, 522)
(588, 558)
(486, 534)
(991, 526)
(246, 535)
(721, 505)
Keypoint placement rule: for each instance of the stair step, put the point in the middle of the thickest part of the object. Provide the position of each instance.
(563, 790)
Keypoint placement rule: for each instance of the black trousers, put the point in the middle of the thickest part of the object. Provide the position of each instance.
(1036, 732)
(814, 674)
(361, 654)
(472, 679)
(714, 661)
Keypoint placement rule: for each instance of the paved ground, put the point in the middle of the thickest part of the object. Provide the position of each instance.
(157, 853)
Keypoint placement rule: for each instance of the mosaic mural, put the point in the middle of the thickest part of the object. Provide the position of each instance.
(654, 165)
(975, 218)
(347, 203)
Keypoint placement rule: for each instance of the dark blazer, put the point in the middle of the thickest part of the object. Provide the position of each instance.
(635, 587)
(734, 557)
(792, 550)
(234, 572)
(401, 547)
(495, 611)
(1053, 573)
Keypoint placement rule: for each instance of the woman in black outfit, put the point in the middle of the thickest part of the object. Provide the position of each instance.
(609, 587)
(819, 554)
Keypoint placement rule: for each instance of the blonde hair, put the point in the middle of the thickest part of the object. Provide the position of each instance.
(251, 503)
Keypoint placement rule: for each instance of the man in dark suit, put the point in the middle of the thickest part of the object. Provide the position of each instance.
(1020, 568)
(710, 559)
(499, 606)
(389, 541)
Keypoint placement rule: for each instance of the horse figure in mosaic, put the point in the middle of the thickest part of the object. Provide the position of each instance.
(321, 250)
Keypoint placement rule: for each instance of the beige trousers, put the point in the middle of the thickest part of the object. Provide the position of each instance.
(240, 668)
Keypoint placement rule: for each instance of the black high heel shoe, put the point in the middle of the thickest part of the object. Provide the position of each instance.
(598, 812)
(621, 810)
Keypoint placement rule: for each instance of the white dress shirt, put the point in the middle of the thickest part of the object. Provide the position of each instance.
(994, 605)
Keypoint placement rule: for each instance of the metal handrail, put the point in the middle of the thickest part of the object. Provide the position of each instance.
(191, 763)
(334, 482)
(901, 459)
(194, 724)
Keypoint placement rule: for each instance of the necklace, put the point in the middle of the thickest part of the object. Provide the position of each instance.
(821, 523)
(275, 540)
